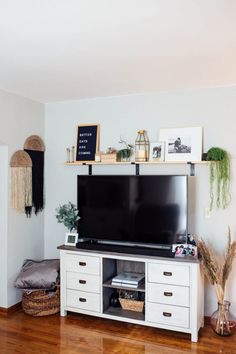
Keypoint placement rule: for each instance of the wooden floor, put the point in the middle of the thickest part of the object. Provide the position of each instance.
(20, 333)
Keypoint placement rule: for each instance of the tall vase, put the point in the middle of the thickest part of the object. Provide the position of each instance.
(223, 322)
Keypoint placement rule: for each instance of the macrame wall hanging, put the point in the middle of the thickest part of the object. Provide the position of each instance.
(35, 147)
(21, 181)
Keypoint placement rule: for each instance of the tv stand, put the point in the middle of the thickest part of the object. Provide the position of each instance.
(138, 250)
(172, 291)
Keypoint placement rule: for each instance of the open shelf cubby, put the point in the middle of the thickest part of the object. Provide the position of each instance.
(111, 268)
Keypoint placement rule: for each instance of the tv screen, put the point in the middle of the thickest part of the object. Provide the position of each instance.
(150, 210)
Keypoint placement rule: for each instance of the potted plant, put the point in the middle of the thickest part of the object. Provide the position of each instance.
(222, 321)
(68, 215)
(125, 153)
(219, 177)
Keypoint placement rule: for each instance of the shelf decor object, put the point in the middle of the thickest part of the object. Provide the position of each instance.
(21, 181)
(219, 177)
(126, 152)
(141, 146)
(35, 147)
(87, 143)
(157, 151)
(182, 144)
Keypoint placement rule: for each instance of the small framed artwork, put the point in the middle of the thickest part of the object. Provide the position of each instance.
(71, 238)
(182, 144)
(87, 142)
(157, 151)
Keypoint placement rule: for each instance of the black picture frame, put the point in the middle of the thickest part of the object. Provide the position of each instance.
(87, 142)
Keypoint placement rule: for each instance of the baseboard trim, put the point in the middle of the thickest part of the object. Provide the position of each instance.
(7, 311)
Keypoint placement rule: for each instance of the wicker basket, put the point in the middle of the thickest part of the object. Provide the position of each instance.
(132, 305)
(41, 302)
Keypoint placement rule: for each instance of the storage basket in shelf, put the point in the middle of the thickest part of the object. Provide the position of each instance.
(41, 302)
(131, 305)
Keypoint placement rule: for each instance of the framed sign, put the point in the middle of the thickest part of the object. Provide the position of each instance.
(87, 143)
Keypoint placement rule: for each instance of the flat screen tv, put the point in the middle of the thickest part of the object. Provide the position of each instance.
(148, 210)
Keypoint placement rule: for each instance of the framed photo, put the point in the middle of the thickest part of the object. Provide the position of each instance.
(182, 250)
(182, 144)
(87, 142)
(157, 151)
(71, 239)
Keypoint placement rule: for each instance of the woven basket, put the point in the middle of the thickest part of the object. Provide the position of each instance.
(132, 305)
(41, 302)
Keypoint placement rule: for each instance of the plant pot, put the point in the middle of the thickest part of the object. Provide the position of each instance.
(222, 321)
(124, 155)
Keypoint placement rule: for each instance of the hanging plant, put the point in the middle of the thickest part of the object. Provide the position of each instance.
(219, 177)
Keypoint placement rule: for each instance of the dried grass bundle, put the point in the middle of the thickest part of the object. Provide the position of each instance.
(217, 273)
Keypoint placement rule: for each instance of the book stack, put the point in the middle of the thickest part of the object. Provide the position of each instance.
(129, 280)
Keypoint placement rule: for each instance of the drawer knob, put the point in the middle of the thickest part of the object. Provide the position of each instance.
(168, 293)
(167, 274)
(167, 314)
(82, 299)
(82, 281)
(82, 264)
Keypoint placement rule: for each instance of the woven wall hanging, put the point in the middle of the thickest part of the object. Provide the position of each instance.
(35, 147)
(21, 181)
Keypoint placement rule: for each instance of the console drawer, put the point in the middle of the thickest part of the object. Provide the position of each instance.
(168, 315)
(83, 300)
(83, 282)
(168, 274)
(168, 294)
(82, 264)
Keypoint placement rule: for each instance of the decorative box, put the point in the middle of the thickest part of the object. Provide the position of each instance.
(105, 157)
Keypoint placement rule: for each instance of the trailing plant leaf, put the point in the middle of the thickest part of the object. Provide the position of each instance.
(68, 215)
(219, 177)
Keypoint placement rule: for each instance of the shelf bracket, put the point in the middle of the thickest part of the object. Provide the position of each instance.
(137, 170)
(192, 168)
(90, 168)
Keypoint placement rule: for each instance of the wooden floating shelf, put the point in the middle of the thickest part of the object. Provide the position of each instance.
(136, 163)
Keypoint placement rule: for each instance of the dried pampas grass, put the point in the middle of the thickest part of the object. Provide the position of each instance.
(217, 273)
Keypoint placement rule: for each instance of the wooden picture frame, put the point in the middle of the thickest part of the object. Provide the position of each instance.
(87, 142)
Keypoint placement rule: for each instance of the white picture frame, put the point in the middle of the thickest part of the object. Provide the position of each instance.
(157, 151)
(71, 238)
(182, 144)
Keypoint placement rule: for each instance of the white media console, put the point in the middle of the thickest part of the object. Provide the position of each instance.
(173, 288)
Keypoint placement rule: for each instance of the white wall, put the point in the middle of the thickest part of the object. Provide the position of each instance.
(23, 238)
(214, 109)
(3, 223)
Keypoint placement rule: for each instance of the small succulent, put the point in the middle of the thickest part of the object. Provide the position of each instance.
(126, 152)
(68, 215)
